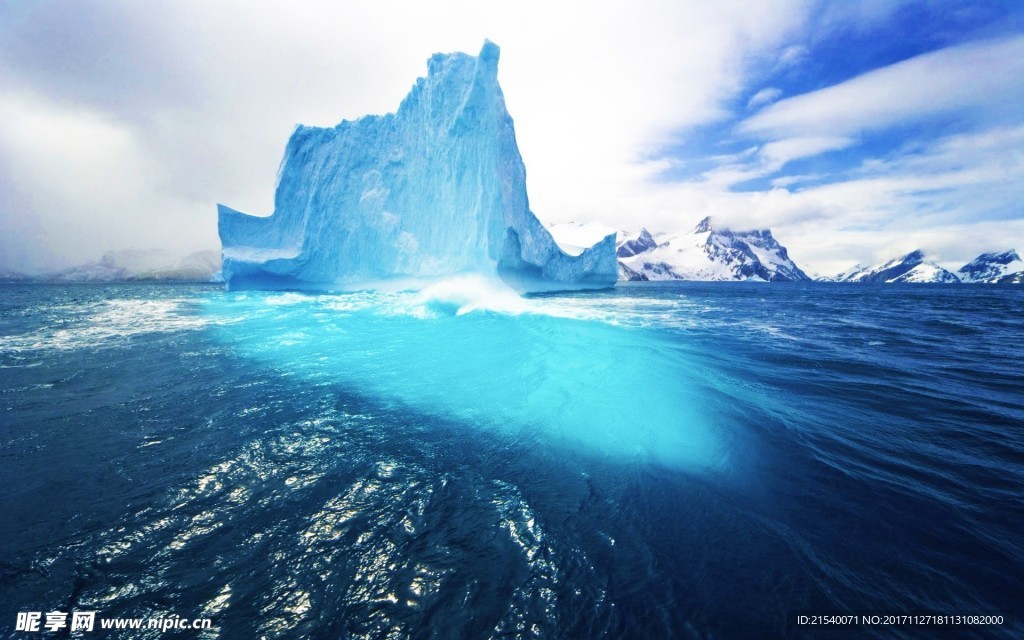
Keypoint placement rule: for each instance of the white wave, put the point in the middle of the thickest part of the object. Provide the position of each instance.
(106, 322)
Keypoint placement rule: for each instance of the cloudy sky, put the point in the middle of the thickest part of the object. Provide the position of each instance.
(854, 130)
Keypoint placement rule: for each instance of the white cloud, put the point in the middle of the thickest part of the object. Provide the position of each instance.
(986, 76)
(792, 56)
(860, 15)
(763, 97)
(81, 178)
(787, 181)
(780, 152)
(759, 162)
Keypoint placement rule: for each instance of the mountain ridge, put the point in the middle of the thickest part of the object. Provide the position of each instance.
(133, 265)
(707, 252)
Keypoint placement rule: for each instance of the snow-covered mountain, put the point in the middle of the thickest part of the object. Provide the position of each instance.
(14, 276)
(909, 268)
(629, 245)
(993, 267)
(706, 253)
(114, 265)
(143, 265)
(202, 266)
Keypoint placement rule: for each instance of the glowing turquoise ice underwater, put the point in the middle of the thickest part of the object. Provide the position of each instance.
(559, 370)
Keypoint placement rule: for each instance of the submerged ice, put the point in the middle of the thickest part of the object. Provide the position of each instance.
(434, 189)
(565, 373)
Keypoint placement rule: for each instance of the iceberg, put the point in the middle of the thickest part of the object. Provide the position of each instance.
(435, 189)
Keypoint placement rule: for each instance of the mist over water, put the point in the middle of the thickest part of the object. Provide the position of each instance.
(689, 460)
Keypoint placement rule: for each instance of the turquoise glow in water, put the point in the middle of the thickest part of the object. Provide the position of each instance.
(469, 351)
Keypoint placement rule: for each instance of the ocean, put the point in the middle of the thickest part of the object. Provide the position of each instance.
(682, 460)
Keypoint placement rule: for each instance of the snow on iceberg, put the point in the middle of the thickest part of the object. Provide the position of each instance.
(434, 189)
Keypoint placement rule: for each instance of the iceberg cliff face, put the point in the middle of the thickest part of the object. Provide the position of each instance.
(436, 188)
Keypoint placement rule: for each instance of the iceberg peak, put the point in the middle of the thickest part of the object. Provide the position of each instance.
(490, 52)
(435, 189)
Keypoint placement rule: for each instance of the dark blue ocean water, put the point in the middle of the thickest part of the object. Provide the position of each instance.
(692, 460)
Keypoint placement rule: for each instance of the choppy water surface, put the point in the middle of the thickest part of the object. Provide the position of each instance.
(692, 460)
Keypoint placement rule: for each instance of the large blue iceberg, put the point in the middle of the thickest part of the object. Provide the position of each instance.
(436, 188)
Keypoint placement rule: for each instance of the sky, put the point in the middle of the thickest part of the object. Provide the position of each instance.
(855, 130)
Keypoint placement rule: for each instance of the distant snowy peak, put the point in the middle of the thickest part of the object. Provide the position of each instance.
(115, 265)
(155, 265)
(993, 267)
(14, 276)
(909, 268)
(631, 244)
(845, 276)
(707, 252)
(927, 272)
